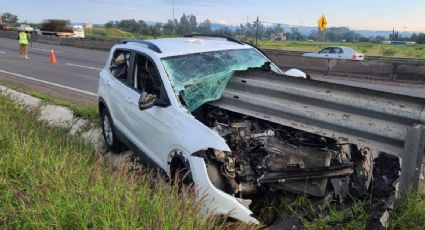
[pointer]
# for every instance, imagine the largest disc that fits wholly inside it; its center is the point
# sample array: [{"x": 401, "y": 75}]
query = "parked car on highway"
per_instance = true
[
  {"x": 337, "y": 52},
  {"x": 4, "y": 27},
  {"x": 156, "y": 97}
]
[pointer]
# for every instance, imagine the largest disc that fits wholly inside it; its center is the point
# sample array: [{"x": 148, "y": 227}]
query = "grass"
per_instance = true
[
  {"x": 410, "y": 212},
  {"x": 51, "y": 180},
  {"x": 117, "y": 33},
  {"x": 368, "y": 48},
  {"x": 83, "y": 111}
]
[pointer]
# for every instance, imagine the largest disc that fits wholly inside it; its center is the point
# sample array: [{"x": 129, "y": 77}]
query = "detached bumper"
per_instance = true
[{"x": 216, "y": 201}]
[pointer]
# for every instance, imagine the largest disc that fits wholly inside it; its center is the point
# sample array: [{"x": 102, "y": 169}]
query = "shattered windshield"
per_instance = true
[{"x": 202, "y": 77}]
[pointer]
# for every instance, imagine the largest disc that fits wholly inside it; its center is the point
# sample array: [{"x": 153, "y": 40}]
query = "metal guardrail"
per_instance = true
[
  {"x": 399, "y": 60},
  {"x": 368, "y": 118}
]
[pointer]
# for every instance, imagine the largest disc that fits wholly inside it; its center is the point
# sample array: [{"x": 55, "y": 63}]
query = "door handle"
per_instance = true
[{"x": 108, "y": 83}]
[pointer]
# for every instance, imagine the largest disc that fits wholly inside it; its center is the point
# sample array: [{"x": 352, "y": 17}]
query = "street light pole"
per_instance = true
[{"x": 256, "y": 33}]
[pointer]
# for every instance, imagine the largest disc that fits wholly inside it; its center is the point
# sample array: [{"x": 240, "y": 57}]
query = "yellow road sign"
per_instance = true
[{"x": 322, "y": 23}]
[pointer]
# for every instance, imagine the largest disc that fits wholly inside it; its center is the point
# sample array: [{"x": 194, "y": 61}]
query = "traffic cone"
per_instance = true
[{"x": 52, "y": 57}]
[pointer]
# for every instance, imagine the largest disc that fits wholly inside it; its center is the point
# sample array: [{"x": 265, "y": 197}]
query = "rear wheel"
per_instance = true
[{"x": 109, "y": 136}]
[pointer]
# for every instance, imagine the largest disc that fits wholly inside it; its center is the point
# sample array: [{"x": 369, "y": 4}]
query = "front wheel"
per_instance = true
[{"x": 109, "y": 136}]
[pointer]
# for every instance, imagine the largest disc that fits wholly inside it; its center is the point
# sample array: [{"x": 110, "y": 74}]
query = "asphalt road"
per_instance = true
[{"x": 77, "y": 69}]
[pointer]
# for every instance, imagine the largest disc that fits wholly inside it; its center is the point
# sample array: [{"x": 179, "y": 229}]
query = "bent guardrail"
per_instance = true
[{"x": 391, "y": 123}]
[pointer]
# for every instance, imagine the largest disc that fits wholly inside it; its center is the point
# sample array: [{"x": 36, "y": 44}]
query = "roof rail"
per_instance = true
[
  {"x": 149, "y": 44},
  {"x": 214, "y": 36}
]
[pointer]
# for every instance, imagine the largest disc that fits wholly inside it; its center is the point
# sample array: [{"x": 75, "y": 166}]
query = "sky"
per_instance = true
[{"x": 403, "y": 15}]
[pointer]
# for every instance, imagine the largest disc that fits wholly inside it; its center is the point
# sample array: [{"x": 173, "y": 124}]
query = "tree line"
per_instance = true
[{"x": 188, "y": 24}]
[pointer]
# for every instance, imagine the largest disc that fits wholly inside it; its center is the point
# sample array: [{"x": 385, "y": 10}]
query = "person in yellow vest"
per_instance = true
[{"x": 23, "y": 44}]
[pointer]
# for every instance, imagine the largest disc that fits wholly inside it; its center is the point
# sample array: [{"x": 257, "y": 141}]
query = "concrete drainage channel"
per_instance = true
[{"x": 64, "y": 118}]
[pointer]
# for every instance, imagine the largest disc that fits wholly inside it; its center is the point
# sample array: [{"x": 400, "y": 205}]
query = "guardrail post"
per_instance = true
[{"x": 414, "y": 149}]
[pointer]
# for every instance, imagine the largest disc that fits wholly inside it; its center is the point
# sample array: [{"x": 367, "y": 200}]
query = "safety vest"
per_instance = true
[{"x": 23, "y": 39}]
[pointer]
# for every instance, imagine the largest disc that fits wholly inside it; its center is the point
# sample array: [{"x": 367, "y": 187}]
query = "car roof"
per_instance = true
[{"x": 188, "y": 45}]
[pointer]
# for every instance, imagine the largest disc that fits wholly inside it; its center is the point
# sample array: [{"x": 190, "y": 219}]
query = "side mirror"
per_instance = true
[{"x": 147, "y": 101}]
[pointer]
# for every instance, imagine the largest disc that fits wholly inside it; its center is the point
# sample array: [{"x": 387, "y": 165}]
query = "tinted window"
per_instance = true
[{"x": 120, "y": 64}]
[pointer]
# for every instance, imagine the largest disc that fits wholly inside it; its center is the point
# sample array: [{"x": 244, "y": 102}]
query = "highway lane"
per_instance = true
[
  {"x": 79, "y": 69},
  {"x": 76, "y": 68}
]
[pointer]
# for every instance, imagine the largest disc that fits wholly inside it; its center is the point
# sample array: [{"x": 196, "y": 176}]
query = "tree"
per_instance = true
[
  {"x": 278, "y": 29},
  {"x": 184, "y": 27},
  {"x": 110, "y": 24},
  {"x": 143, "y": 27},
  {"x": 193, "y": 23},
  {"x": 156, "y": 30},
  {"x": 225, "y": 31},
  {"x": 9, "y": 18},
  {"x": 129, "y": 25},
  {"x": 295, "y": 34},
  {"x": 205, "y": 27},
  {"x": 420, "y": 39},
  {"x": 170, "y": 27}
]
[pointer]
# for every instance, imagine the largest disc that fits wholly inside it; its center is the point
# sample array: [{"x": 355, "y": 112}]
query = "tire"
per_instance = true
[{"x": 108, "y": 133}]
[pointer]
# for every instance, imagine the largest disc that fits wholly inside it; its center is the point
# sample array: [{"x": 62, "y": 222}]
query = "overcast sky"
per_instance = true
[{"x": 404, "y": 15}]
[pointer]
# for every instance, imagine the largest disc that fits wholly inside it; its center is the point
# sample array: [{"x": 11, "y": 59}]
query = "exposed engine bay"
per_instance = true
[
  {"x": 270, "y": 157},
  {"x": 274, "y": 157}
]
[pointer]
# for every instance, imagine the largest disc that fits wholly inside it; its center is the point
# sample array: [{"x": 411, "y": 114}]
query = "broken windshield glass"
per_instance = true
[{"x": 202, "y": 77}]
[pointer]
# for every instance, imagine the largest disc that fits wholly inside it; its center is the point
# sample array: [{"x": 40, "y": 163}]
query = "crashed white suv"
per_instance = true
[{"x": 154, "y": 97}]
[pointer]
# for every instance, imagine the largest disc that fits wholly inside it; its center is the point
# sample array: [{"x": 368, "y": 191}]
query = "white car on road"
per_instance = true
[
  {"x": 337, "y": 52},
  {"x": 154, "y": 97},
  {"x": 25, "y": 27}
]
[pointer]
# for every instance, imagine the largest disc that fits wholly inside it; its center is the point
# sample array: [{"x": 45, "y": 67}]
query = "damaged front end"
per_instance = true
[{"x": 268, "y": 156}]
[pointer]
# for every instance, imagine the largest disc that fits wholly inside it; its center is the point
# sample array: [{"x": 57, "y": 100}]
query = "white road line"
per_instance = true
[
  {"x": 2, "y": 52},
  {"x": 46, "y": 50},
  {"x": 49, "y": 83},
  {"x": 82, "y": 66}
]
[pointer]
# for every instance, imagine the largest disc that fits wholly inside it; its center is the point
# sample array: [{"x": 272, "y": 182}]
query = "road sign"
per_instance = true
[{"x": 322, "y": 23}]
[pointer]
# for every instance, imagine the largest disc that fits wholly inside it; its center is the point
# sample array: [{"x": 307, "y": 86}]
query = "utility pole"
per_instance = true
[
  {"x": 173, "y": 13},
  {"x": 246, "y": 28},
  {"x": 256, "y": 33}
]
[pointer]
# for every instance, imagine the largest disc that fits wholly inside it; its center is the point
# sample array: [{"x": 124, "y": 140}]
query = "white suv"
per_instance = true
[{"x": 154, "y": 96}]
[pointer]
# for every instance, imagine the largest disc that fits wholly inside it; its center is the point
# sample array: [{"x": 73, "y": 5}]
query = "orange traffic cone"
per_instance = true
[{"x": 52, "y": 57}]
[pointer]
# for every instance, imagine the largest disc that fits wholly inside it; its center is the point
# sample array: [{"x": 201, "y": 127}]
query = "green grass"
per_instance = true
[
  {"x": 410, "y": 212},
  {"x": 373, "y": 49},
  {"x": 49, "y": 180},
  {"x": 117, "y": 33},
  {"x": 83, "y": 111}
]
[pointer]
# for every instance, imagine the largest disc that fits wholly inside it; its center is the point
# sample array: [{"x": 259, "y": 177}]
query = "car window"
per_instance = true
[
  {"x": 336, "y": 50},
  {"x": 325, "y": 51},
  {"x": 145, "y": 76},
  {"x": 120, "y": 64}
]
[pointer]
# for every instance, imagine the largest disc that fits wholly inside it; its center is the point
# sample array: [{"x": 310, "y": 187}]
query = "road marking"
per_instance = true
[
  {"x": 49, "y": 83},
  {"x": 82, "y": 66},
  {"x": 2, "y": 52},
  {"x": 59, "y": 52}
]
